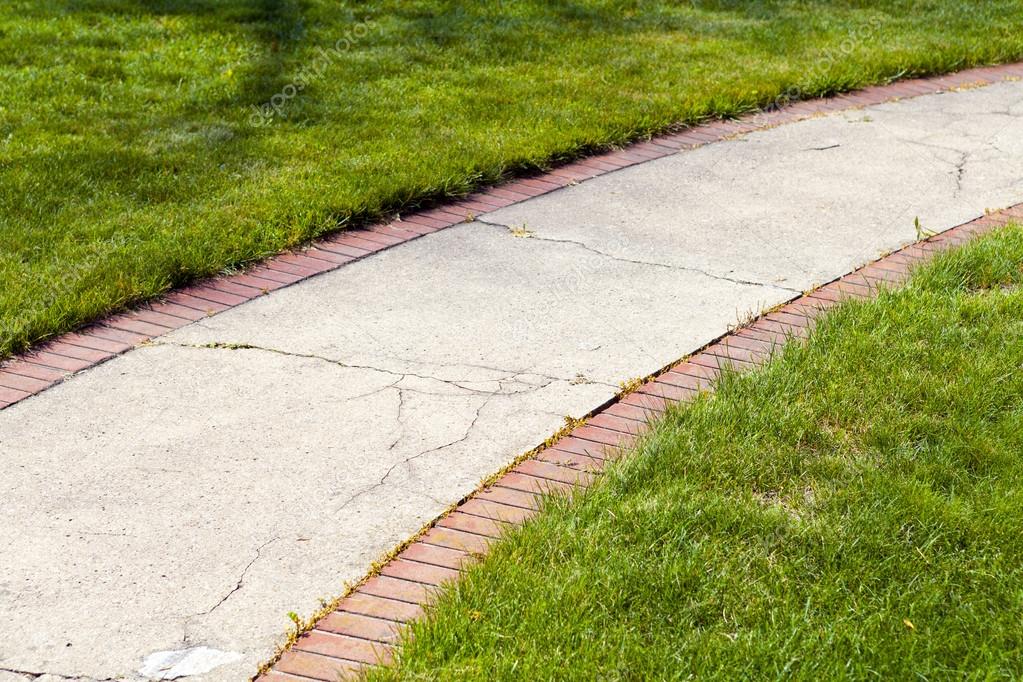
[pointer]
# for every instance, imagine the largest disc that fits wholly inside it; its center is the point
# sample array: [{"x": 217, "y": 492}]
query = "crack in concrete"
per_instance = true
[
  {"x": 401, "y": 424},
  {"x": 186, "y": 637},
  {"x": 668, "y": 266},
  {"x": 510, "y": 375},
  {"x": 959, "y": 172},
  {"x": 462, "y": 439},
  {"x": 241, "y": 578},
  {"x": 33, "y": 675}
]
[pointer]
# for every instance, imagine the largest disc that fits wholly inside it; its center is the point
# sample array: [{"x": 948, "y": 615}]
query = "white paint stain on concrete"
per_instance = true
[{"x": 171, "y": 665}]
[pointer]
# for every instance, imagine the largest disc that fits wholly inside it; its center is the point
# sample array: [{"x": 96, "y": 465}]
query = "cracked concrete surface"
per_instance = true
[{"x": 192, "y": 492}]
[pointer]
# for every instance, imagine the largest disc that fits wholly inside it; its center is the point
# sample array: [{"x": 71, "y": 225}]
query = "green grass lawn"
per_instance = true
[
  {"x": 134, "y": 157},
  {"x": 854, "y": 509}
]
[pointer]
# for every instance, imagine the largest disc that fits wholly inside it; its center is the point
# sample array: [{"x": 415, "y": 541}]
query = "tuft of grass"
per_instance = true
[
  {"x": 136, "y": 152},
  {"x": 852, "y": 509}
]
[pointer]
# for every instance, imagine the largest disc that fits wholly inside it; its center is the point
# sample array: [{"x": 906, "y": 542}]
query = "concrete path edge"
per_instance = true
[{"x": 54, "y": 361}]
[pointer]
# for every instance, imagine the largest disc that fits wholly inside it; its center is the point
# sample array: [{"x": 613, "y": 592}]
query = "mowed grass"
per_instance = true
[
  {"x": 133, "y": 156},
  {"x": 854, "y": 509}
]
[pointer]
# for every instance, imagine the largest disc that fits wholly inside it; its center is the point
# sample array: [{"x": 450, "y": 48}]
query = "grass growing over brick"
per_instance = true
[
  {"x": 133, "y": 156},
  {"x": 854, "y": 509}
]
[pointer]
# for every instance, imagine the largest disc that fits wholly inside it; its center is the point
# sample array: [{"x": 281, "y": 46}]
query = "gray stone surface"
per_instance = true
[
  {"x": 800, "y": 204},
  {"x": 192, "y": 492}
]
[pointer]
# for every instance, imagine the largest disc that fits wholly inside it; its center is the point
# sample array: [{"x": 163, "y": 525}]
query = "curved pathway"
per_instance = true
[{"x": 163, "y": 511}]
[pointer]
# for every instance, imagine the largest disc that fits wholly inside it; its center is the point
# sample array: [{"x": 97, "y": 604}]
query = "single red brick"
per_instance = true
[
  {"x": 646, "y": 402},
  {"x": 764, "y": 348},
  {"x": 522, "y": 188},
  {"x": 339, "y": 246},
  {"x": 427, "y": 221},
  {"x": 211, "y": 294},
  {"x": 879, "y": 274},
  {"x": 497, "y": 511},
  {"x": 851, "y": 289},
  {"x": 487, "y": 198},
  {"x": 59, "y": 361},
  {"x": 600, "y": 163},
  {"x": 545, "y": 182},
  {"x": 774, "y": 338},
  {"x": 655, "y": 145},
  {"x": 733, "y": 352},
  {"x": 626, "y": 411},
  {"x": 378, "y": 237},
  {"x": 86, "y": 339},
  {"x": 131, "y": 323},
  {"x": 264, "y": 285},
  {"x": 345, "y": 648},
  {"x": 380, "y": 607},
  {"x": 572, "y": 460},
  {"x": 634, "y": 155},
  {"x": 786, "y": 329},
  {"x": 153, "y": 317},
  {"x": 314, "y": 667},
  {"x": 20, "y": 382},
  {"x": 418, "y": 572},
  {"x": 178, "y": 310},
  {"x": 200, "y": 304},
  {"x": 699, "y": 371},
  {"x": 439, "y": 556},
  {"x": 533, "y": 484},
  {"x": 669, "y": 141},
  {"x": 802, "y": 307},
  {"x": 395, "y": 588},
  {"x": 357, "y": 625},
  {"x": 856, "y": 279},
  {"x": 599, "y": 435},
  {"x": 705, "y": 359},
  {"x": 475, "y": 208},
  {"x": 507, "y": 194},
  {"x": 915, "y": 252},
  {"x": 472, "y": 524},
  {"x": 89, "y": 355},
  {"x": 394, "y": 229},
  {"x": 893, "y": 266},
  {"x": 789, "y": 318},
  {"x": 554, "y": 472},
  {"x": 575, "y": 173},
  {"x": 689, "y": 383},
  {"x": 455, "y": 539},
  {"x": 613, "y": 423},
  {"x": 826, "y": 294},
  {"x": 308, "y": 268},
  {"x": 12, "y": 395},
  {"x": 26, "y": 367},
  {"x": 668, "y": 391},
  {"x": 446, "y": 213},
  {"x": 230, "y": 286},
  {"x": 685, "y": 139},
  {"x": 507, "y": 496},
  {"x": 582, "y": 447}
]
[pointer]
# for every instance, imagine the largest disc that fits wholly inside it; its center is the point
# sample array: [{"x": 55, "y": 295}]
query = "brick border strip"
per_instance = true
[
  {"x": 54, "y": 361},
  {"x": 363, "y": 627}
]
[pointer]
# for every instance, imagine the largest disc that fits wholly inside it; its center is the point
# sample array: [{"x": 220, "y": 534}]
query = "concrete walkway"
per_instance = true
[{"x": 164, "y": 511}]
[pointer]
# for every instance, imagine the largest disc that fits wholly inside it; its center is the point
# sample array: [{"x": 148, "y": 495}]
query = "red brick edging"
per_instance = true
[
  {"x": 52, "y": 362},
  {"x": 362, "y": 628}
]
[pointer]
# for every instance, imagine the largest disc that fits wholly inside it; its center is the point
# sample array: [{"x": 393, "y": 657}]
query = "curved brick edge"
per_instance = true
[
  {"x": 365, "y": 625},
  {"x": 52, "y": 362}
]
